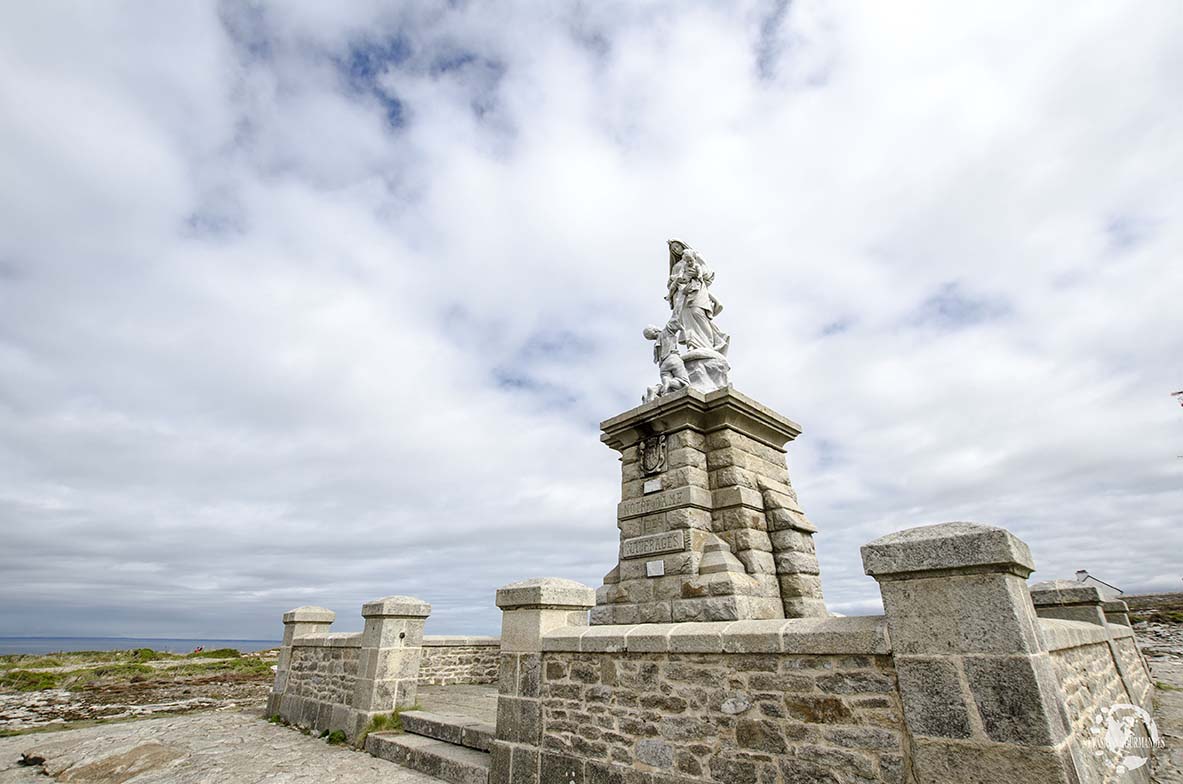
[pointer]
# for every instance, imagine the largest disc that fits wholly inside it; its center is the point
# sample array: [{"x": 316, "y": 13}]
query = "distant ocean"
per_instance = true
[{"x": 40, "y": 645}]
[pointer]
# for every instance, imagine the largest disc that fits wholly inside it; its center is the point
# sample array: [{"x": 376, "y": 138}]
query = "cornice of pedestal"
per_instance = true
[{"x": 703, "y": 412}]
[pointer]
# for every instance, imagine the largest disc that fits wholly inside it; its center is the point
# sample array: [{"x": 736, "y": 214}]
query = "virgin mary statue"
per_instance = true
[{"x": 693, "y": 306}]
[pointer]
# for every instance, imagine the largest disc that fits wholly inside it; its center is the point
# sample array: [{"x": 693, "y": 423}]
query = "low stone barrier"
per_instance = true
[
  {"x": 745, "y": 700},
  {"x": 326, "y": 681},
  {"x": 960, "y": 682},
  {"x": 452, "y": 660}
]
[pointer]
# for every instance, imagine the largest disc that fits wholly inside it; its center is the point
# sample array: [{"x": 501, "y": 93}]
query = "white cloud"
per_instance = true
[{"x": 300, "y": 306}]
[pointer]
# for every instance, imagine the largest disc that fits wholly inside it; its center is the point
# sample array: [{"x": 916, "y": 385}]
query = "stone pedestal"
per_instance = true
[{"x": 710, "y": 526}]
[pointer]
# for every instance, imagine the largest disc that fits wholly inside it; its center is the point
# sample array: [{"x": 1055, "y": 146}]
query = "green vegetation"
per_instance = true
[
  {"x": 133, "y": 673},
  {"x": 1157, "y": 615},
  {"x": 1165, "y": 686},
  {"x": 336, "y": 738},
  {"x": 386, "y": 722},
  {"x": 219, "y": 653},
  {"x": 79, "y": 669},
  {"x": 246, "y": 666},
  {"x": 23, "y": 680},
  {"x": 26, "y": 680}
]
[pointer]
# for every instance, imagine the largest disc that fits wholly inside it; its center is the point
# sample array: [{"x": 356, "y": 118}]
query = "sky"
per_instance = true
[{"x": 312, "y": 303}]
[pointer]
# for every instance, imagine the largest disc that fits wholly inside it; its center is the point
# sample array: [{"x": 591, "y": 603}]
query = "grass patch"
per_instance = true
[
  {"x": 218, "y": 653},
  {"x": 242, "y": 665},
  {"x": 132, "y": 673},
  {"x": 336, "y": 738},
  {"x": 79, "y": 659},
  {"x": 128, "y": 666},
  {"x": 385, "y": 722},
  {"x": 23, "y": 680},
  {"x": 1166, "y": 686},
  {"x": 147, "y": 655},
  {"x": 26, "y": 680}
]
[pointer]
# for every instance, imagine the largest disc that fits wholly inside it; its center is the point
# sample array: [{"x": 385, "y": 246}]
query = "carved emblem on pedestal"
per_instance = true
[{"x": 653, "y": 454}]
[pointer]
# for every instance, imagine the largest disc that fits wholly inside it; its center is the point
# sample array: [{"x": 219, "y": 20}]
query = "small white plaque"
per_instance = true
[
  {"x": 655, "y": 568},
  {"x": 651, "y": 485}
]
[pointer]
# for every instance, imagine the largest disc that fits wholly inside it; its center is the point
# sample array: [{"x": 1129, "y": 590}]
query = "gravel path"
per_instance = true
[{"x": 225, "y": 747}]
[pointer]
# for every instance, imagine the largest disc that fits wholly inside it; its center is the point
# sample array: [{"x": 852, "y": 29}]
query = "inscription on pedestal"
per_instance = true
[
  {"x": 659, "y": 502},
  {"x": 641, "y": 546}
]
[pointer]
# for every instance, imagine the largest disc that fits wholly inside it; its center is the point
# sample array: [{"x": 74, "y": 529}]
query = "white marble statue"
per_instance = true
[
  {"x": 691, "y": 338},
  {"x": 693, "y": 305},
  {"x": 668, "y": 361}
]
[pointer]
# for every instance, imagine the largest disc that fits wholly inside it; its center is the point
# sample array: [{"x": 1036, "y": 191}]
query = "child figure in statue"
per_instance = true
[{"x": 668, "y": 361}]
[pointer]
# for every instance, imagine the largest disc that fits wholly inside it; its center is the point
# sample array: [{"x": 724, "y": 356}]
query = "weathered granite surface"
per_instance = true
[{"x": 227, "y": 747}]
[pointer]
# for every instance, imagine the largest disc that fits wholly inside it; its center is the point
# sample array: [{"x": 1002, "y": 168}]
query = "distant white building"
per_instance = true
[{"x": 1106, "y": 590}]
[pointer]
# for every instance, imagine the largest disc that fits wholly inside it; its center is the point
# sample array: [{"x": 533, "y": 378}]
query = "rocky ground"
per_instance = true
[
  {"x": 227, "y": 746},
  {"x": 1158, "y": 622},
  {"x": 88, "y": 688}
]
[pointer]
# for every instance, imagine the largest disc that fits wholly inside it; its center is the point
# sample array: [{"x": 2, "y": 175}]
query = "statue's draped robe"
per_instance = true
[{"x": 694, "y": 309}]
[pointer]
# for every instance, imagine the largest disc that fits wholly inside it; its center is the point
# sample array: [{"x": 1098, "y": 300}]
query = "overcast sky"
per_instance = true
[{"x": 311, "y": 303}]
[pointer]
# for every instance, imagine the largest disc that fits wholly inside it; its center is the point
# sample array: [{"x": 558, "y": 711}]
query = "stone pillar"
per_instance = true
[
  {"x": 299, "y": 622},
  {"x": 388, "y": 666},
  {"x": 529, "y": 610},
  {"x": 710, "y": 526},
  {"x": 980, "y": 697},
  {"x": 1116, "y": 612},
  {"x": 1068, "y": 600}
]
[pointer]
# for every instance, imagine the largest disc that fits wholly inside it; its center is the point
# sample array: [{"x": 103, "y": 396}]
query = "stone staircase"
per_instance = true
[{"x": 450, "y": 747}]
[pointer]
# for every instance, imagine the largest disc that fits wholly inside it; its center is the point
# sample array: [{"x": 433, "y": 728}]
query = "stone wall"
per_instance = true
[
  {"x": 322, "y": 674},
  {"x": 961, "y": 682},
  {"x": 723, "y": 717},
  {"x": 1096, "y": 667},
  {"x": 725, "y": 703},
  {"x": 326, "y": 681},
  {"x": 455, "y": 660}
]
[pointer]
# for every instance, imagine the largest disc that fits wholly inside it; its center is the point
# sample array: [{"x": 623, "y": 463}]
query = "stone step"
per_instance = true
[
  {"x": 447, "y": 761},
  {"x": 456, "y": 729}
]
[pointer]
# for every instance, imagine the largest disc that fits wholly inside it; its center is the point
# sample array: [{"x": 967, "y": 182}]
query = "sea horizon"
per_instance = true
[{"x": 12, "y": 646}]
